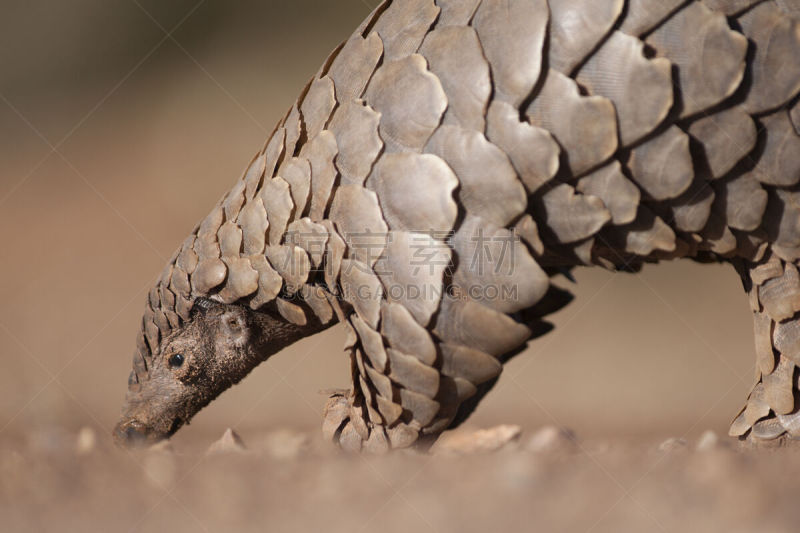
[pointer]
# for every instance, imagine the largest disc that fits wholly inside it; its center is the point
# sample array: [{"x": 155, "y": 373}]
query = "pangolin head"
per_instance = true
[
  {"x": 192, "y": 364},
  {"x": 195, "y": 360}
]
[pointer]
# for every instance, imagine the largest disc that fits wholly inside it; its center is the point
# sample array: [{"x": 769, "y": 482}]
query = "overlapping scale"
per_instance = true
[
  {"x": 410, "y": 100},
  {"x": 640, "y": 88},
  {"x": 455, "y": 56},
  {"x": 584, "y": 126},
  {"x": 355, "y": 126},
  {"x": 473, "y": 158},
  {"x": 576, "y": 27},
  {"x": 775, "y": 67},
  {"x": 709, "y": 57},
  {"x": 512, "y": 33}
]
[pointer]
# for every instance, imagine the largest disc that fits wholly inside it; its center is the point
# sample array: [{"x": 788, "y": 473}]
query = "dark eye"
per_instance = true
[{"x": 176, "y": 360}]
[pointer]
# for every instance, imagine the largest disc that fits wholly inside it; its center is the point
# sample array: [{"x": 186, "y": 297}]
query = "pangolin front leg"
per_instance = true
[{"x": 399, "y": 399}]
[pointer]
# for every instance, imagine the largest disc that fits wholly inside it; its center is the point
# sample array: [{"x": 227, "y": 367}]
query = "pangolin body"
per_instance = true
[{"x": 452, "y": 155}]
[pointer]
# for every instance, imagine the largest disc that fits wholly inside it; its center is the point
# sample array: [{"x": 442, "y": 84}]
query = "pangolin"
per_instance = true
[{"x": 449, "y": 158}]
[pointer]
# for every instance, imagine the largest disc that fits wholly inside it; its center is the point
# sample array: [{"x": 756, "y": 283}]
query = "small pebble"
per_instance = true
[
  {"x": 230, "y": 442},
  {"x": 481, "y": 441},
  {"x": 551, "y": 439},
  {"x": 673, "y": 444},
  {"x": 498, "y": 437},
  {"x": 86, "y": 441},
  {"x": 709, "y": 440}
]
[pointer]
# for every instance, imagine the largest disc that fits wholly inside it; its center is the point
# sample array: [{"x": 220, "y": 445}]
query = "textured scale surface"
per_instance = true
[{"x": 451, "y": 149}]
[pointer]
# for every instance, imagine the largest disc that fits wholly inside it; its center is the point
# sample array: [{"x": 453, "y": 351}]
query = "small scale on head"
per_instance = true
[{"x": 215, "y": 348}]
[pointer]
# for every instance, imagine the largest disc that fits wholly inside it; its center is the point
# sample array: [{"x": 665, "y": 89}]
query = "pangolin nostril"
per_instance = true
[{"x": 130, "y": 433}]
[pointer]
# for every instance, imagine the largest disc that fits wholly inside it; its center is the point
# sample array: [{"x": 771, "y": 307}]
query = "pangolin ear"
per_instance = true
[
  {"x": 200, "y": 307},
  {"x": 234, "y": 326}
]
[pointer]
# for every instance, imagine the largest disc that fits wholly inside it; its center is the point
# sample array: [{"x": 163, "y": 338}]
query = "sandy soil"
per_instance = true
[
  {"x": 286, "y": 481},
  {"x": 115, "y": 140}
]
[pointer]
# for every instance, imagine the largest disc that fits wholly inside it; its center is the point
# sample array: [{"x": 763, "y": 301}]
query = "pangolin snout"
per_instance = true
[{"x": 130, "y": 433}]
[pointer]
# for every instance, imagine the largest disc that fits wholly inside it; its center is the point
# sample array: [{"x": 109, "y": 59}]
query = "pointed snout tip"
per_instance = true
[{"x": 130, "y": 433}]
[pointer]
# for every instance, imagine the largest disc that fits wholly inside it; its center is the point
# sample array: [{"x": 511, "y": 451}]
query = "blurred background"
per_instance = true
[
  {"x": 123, "y": 121},
  {"x": 121, "y": 124}
]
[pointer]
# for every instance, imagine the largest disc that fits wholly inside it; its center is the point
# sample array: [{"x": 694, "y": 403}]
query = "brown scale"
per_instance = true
[
  {"x": 357, "y": 215},
  {"x": 296, "y": 172},
  {"x": 275, "y": 148},
  {"x": 472, "y": 157},
  {"x": 584, "y": 126},
  {"x": 292, "y": 264},
  {"x": 317, "y": 106},
  {"x": 690, "y": 211},
  {"x": 644, "y": 15},
  {"x": 334, "y": 253},
  {"x": 254, "y": 173},
  {"x": 576, "y": 26},
  {"x": 315, "y": 297},
  {"x": 512, "y": 33},
  {"x": 403, "y": 26},
  {"x": 662, "y": 166},
  {"x": 415, "y": 192},
  {"x": 527, "y": 230},
  {"x": 775, "y": 69},
  {"x": 641, "y": 88},
  {"x": 619, "y": 195},
  {"x": 782, "y": 220},
  {"x": 286, "y": 142},
  {"x": 398, "y": 273},
  {"x": 320, "y": 153},
  {"x": 455, "y": 56},
  {"x": 456, "y": 12},
  {"x": 410, "y": 100},
  {"x": 494, "y": 252},
  {"x": 254, "y": 223},
  {"x": 371, "y": 343},
  {"x": 570, "y": 215},
  {"x": 779, "y": 163},
  {"x": 277, "y": 199},
  {"x": 353, "y": 67},
  {"x": 355, "y": 126},
  {"x": 709, "y": 56},
  {"x": 731, "y": 7},
  {"x": 532, "y": 150},
  {"x": 362, "y": 289},
  {"x": 309, "y": 236},
  {"x": 724, "y": 138},
  {"x": 403, "y": 333}
]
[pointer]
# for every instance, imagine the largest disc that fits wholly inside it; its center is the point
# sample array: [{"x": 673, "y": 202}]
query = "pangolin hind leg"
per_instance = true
[{"x": 772, "y": 412}]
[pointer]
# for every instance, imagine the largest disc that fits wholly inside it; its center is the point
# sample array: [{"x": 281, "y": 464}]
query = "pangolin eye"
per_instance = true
[{"x": 176, "y": 360}]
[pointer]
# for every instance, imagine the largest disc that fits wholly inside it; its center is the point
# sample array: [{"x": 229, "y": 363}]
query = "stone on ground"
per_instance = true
[
  {"x": 551, "y": 439},
  {"x": 230, "y": 442},
  {"x": 480, "y": 441}
]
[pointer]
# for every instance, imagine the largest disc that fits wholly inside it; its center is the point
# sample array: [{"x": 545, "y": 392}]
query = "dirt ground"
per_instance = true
[
  {"x": 121, "y": 123},
  {"x": 288, "y": 482}
]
